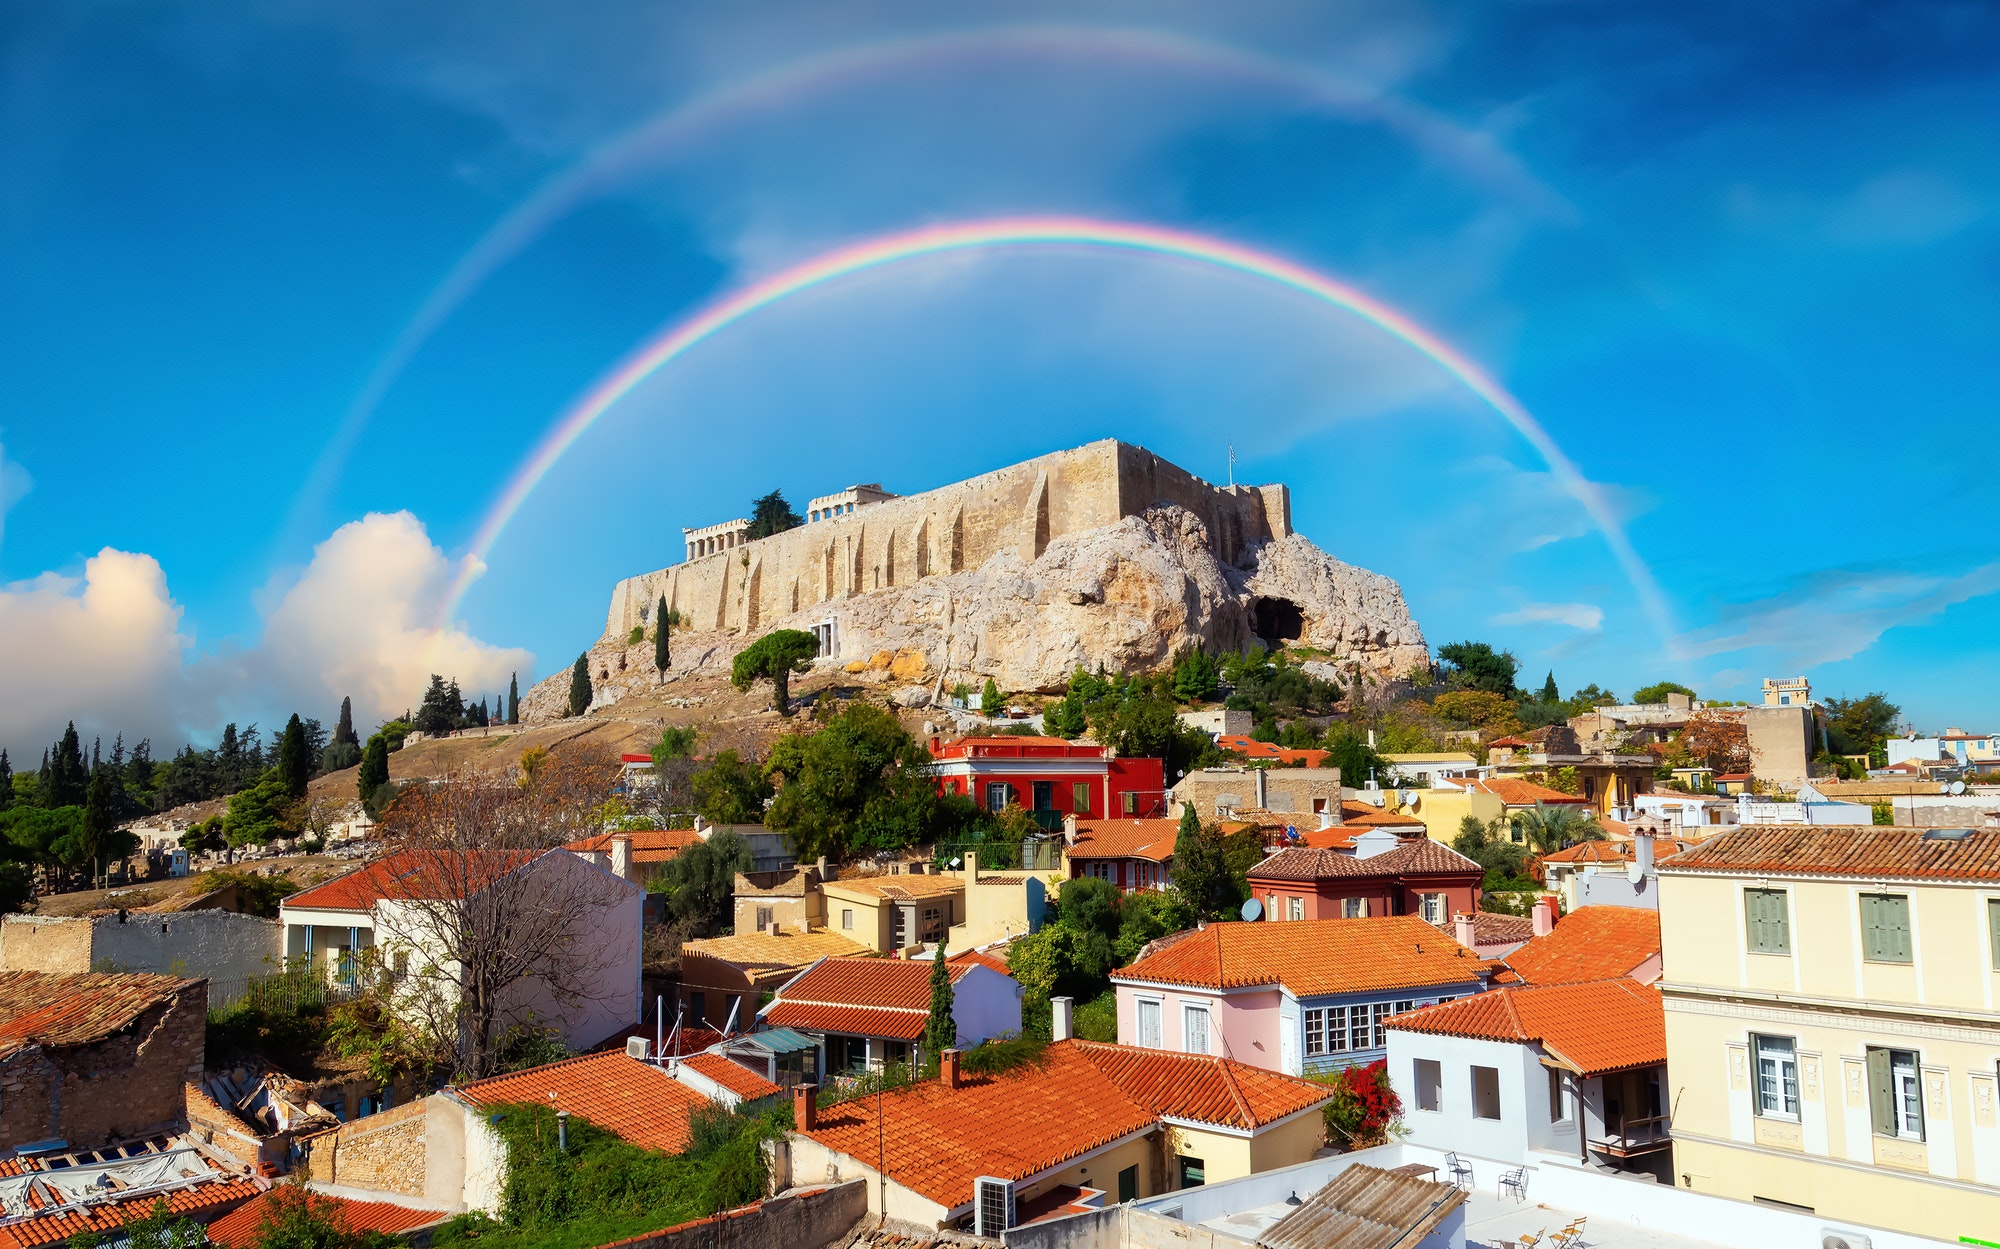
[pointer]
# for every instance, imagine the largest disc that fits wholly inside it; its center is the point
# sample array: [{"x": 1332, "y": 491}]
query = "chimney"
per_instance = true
[
  {"x": 1642, "y": 849},
  {"x": 1260, "y": 788},
  {"x": 1545, "y": 915},
  {"x": 701, "y": 828},
  {"x": 972, "y": 865},
  {"x": 621, "y": 857},
  {"x": 1463, "y": 929},
  {"x": 805, "y": 1107},
  {"x": 1069, "y": 828},
  {"x": 948, "y": 1068},
  {"x": 1062, "y": 1028},
  {"x": 823, "y": 877}
]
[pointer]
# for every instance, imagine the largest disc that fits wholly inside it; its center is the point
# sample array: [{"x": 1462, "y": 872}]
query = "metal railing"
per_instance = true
[{"x": 1633, "y": 1136}]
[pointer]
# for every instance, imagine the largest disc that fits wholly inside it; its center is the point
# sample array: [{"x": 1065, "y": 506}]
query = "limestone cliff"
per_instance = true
[{"x": 1123, "y": 596}]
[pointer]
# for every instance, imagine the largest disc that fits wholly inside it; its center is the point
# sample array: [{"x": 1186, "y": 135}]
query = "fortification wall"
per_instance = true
[{"x": 1018, "y": 509}]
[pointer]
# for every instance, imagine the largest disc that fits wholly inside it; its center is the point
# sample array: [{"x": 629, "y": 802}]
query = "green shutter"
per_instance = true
[
  {"x": 1881, "y": 1094},
  {"x": 1993, "y": 929},
  {"x": 1767, "y": 926},
  {"x": 1885, "y": 928}
]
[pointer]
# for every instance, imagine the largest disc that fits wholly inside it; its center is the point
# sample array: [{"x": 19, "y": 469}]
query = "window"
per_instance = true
[
  {"x": 763, "y": 918},
  {"x": 1297, "y": 908},
  {"x": 1430, "y": 1085},
  {"x": 1128, "y": 1184},
  {"x": 1486, "y": 1092},
  {"x": 1380, "y": 1013},
  {"x": 1079, "y": 801},
  {"x": 1403, "y": 1007},
  {"x": 1431, "y": 907},
  {"x": 1194, "y": 1172},
  {"x": 1358, "y": 1032},
  {"x": 1766, "y": 924},
  {"x": 1354, "y": 908},
  {"x": 1895, "y": 1094},
  {"x": 1149, "y": 1024},
  {"x": 1315, "y": 1032},
  {"x": 1194, "y": 1025},
  {"x": 1271, "y": 906},
  {"x": 1129, "y": 800},
  {"x": 1558, "y": 1104},
  {"x": 1885, "y": 927},
  {"x": 1336, "y": 1028},
  {"x": 1777, "y": 1077},
  {"x": 996, "y": 796},
  {"x": 1044, "y": 795},
  {"x": 847, "y": 917}
]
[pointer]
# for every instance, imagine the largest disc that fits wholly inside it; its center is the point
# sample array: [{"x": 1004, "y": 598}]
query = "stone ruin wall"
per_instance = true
[{"x": 1019, "y": 509}]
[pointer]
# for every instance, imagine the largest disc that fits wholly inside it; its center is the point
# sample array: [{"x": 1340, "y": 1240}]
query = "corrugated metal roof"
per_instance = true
[{"x": 1365, "y": 1207}]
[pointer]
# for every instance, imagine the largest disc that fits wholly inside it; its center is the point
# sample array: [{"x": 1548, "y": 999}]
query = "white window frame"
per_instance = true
[
  {"x": 1190, "y": 1011},
  {"x": 1158, "y": 1008},
  {"x": 1431, "y": 907},
  {"x": 1354, "y": 908},
  {"x": 1435, "y": 1084},
  {"x": 1783, "y": 1079},
  {"x": 1295, "y": 907},
  {"x": 1906, "y": 1086},
  {"x": 1315, "y": 1028}
]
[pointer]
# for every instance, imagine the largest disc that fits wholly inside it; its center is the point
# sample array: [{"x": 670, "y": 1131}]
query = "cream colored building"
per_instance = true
[
  {"x": 891, "y": 913},
  {"x": 1001, "y": 905},
  {"x": 1832, "y": 1037}
]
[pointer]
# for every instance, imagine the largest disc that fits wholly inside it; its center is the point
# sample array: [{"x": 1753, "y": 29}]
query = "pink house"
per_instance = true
[{"x": 1301, "y": 997}]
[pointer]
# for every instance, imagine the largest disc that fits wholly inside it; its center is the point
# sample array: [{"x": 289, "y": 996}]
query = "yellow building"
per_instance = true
[
  {"x": 890, "y": 913},
  {"x": 1831, "y": 1025},
  {"x": 1443, "y": 810}
]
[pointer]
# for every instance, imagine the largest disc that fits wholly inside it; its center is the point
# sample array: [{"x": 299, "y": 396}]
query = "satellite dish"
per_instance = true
[
  {"x": 1253, "y": 910},
  {"x": 1958, "y": 787},
  {"x": 1634, "y": 872}
]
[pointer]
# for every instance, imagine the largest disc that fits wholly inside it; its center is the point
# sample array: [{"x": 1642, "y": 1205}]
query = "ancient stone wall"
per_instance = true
[
  {"x": 383, "y": 1152},
  {"x": 126, "y": 1085},
  {"x": 59, "y": 944},
  {"x": 1016, "y": 510}
]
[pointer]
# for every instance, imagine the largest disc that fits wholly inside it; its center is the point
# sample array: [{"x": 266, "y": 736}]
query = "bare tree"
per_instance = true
[{"x": 490, "y": 923}]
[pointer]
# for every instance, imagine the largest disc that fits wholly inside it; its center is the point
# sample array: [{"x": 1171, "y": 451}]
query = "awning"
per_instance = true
[{"x": 779, "y": 1041}]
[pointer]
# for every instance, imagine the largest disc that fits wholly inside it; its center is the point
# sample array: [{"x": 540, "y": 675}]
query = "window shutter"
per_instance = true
[
  {"x": 1896, "y": 920},
  {"x": 1881, "y": 1094},
  {"x": 1993, "y": 929},
  {"x": 1871, "y": 943}
]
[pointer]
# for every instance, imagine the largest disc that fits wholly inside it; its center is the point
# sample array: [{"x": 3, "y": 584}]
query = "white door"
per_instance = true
[{"x": 1288, "y": 1044}]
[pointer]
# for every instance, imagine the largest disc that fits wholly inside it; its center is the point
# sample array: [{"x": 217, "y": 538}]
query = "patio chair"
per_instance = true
[
  {"x": 1528, "y": 1240},
  {"x": 1571, "y": 1235},
  {"x": 1459, "y": 1168},
  {"x": 1517, "y": 1179}
]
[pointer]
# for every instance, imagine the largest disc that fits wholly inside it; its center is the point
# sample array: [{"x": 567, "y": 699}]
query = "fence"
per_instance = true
[{"x": 286, "y": 992}]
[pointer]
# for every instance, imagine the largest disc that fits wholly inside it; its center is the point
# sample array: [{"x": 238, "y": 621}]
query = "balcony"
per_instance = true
[{"x": 1632, "y": 1137}]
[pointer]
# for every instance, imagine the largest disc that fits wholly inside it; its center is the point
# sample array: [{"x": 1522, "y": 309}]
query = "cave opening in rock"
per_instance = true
[{"x": 1278, "y": 619}]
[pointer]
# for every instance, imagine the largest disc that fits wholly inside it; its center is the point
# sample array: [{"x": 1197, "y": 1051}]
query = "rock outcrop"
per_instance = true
[{"x": 1123, "y": 598}]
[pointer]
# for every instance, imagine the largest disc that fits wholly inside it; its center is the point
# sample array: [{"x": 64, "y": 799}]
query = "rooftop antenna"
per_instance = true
[{"x": 1232, "y": 464}]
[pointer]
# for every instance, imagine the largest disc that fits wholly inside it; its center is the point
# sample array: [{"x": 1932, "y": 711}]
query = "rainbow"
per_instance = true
[
  {"x": 677, "y": 340},
  {"x": 1471, "y": 152}
]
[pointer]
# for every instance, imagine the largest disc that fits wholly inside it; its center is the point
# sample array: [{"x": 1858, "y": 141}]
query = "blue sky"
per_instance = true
[{"x": 1741, "y": 261}]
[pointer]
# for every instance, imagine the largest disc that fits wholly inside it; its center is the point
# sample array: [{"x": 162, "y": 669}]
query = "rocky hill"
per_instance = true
[{"x": 1123, "y": 597}]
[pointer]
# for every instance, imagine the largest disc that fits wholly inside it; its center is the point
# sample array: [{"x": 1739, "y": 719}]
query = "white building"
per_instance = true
[{"x": 1577, "y": 1070}]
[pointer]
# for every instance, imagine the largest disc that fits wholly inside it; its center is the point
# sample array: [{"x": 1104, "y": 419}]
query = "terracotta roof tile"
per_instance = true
[
  {"x": 1080, "y": 1096},
  {"x": 1865, "y": 851},
  {"x": 1614, "y": 851},
  {"x": 1594, "y": 1028},
  {"x": 1590, "y": 943},
  {"x": 1515, "y": 792},
  {"x": 197, "y": 1202},
  {"x": 51, "y": 1010},
  {"x": 238, "y": 1229},
  {"x": 984, "y": 959},
  {"x": 861, "y": 997},
  {"x": 1310, "y": 957},
  {"x": 900, "y": 887},
  {"x": 410, "y": 874},
  {"x": 733, "y": 1076},
  {"x": 1251, "y": 748},
  {"x": 1489, "y": 928},
  {"x": 649, "y": 845},
  {"x": 636, "y": 1100},
  {"x": 774, "y": 952},
  {"x": 1125, "y": 839},
  {"x": 1421, "y": 857}
]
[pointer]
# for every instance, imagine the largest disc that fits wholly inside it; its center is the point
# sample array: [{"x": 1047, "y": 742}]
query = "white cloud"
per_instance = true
[
  {"x": 1901, "y": 208},
  {"x": 1836, "y": 616},
  {"x": 107, "y": 649},
  {"x": 14, "y": 483},
  {"x": 1586, "y": 617}
]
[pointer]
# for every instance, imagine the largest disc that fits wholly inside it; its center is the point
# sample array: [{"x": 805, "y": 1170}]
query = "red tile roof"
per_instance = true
[
  {"x": 984, "y": 959},
  {"x": 411, "y": 874},
  {"x": 649, "y": 845},
  {"x": 1590, "y": 943},
  {"x": 51, "y": 1010},
  {"x": 1310, "y": 957},
  {"x": 198, "y": 1201},
  {"x": 861, "y": 997},
  {"x": 1614, "y": 851},
  {"x": 238, "y": 1229},
  {"x": 636, "y": 1100},
  {"x": 733, "y": 1076},
  {"x": 1593, "y": 1028},
  {"x": 1867, "y": 851},
  {"x": 1515, "y": 792},
  {"x": 1078, "y": 1097},
  {"x": 1489, "y": 928},
  {"x": 1251, "y": 748},
  {"x": 1125, "y": 839},
  {"x": 1364, "y": 815},
  {"x": 1418, "y": 857}
]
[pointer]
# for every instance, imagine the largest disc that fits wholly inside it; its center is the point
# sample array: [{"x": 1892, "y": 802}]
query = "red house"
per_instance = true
[
  {"x": 1384, "y": 875},
  {"x": 1050, "y": 777}
]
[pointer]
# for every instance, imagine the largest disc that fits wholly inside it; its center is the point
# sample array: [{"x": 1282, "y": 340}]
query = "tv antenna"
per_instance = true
[{"x": 1232, "y": 464}]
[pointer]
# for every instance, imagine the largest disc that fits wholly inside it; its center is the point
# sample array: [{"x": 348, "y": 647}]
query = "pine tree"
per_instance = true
[
  {"x": 1200, "y": 871},
  {"x": 940, "y": 1030},
  {"x": 990, "y": 702},
  {"x": 343, "y": 732},
  {"x": 294, "y": 759},
  {"x": 579, "y": 685},
  {"x": 434, "y": 715},
  {"x": 513, "y": 698},
  {"x": 1550, "y": 694},
  {"x": 660, "y": 629},
  {"x": 118, "y": 752},
  {"x": 67, "y": 778}
]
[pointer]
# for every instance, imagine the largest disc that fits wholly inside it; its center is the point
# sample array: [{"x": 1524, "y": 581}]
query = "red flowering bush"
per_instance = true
[{"x": 1364, "y": 1109}]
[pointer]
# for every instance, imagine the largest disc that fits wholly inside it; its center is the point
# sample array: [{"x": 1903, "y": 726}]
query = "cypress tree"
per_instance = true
[
  {"x": 294, "y": 760},
  {"x": 940, "y": 1030},
  {"x": 344, "y": 731},
  {"x": 99, "y": 818},
  {"x": 1550, "y": 694},
  {"x": 96, "y": 754},
  {"x": 68, "y": 778},
  {"x": 374, "y": 767},
  {"x": 579, "y": 685},
  {"x": 660, "y": 657},
  {"x": 513, "y": 698},
  {"x": 6, "y": 781}
]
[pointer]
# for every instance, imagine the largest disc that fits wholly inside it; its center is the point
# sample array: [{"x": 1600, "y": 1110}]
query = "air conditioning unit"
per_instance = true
[
  {"x": 992, "y": 1206},
  {"x": 1834, "y": 1238},
  {"x": 636, "y": 1047}
]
